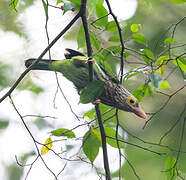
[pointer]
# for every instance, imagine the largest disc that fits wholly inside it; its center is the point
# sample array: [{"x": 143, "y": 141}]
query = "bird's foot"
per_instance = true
[
  {"x": 97, "y": 101},
  {"x": 89, "y": 59}
]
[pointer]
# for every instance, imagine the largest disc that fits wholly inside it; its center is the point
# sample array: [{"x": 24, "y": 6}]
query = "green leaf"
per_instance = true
[
  {"x": 94, "y": 41},
  {"x": 59, "y": 1},
  {"x": 13, "y": 4},
  {"x": 180, "y": 64},
  {"x": 142, "y": 91},
  {"x": 116, "y": 50},
  {"x": 77, "y": 2},
  {"x": 105, "y": 67},
  {"x": 101, "y": 13},
  {"x": 91, "y": 92},
  {"x": 91, "y": 144},
  {"x": 135, "y": 27},
  {"x": 182, "y": 60},
  {"x": 169, "y": 41},
  {"x": 164, "y": 84},
  {"x": 91, "y": 6},
  {"x": 162, "y": 69},
  {"x": 100, "y": 59},
  {"x": 178, "y": 1},
  {"x": 171, "y": 172},
  {"x": 107, "y": 114},
  {"x": 90, "y": 114},
  {"x": 114, "y": 39},
  {"x": 161, "y": 59},
  {"x": 126, "y": 54},
  {"x": 149, "y": 56},
  {"x": 63, "y": 132},
  {"x": 139, "y": 38},
  {"x": 155, "y": 79},
  {"x": 111, "y": 26},
  {"x": 81, "y": 37},
  {"x": 47, "y": 146},
  {"x": 3, "y": 124},
  {"x": 45, "y": 8},
  {"x": 113, "y": 142}
]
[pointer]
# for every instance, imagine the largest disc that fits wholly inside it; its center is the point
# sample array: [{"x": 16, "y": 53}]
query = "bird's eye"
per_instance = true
[{"x": 131, "y": 101}]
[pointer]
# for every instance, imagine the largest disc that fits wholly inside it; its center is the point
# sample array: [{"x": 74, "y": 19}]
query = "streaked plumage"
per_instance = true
[{"x": 75, "y": 69}]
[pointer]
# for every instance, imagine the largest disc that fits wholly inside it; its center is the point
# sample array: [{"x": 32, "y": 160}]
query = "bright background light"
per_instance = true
[
  {"x": 14, "y": 49},
  {"x": 123, "y": 9}
]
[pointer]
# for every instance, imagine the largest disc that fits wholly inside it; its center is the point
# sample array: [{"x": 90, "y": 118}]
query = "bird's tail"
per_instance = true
[{"x": 43, "y": 64}]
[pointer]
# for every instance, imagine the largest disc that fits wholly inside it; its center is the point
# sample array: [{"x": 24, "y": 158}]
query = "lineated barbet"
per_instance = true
[{"x": 75, "y": 68}]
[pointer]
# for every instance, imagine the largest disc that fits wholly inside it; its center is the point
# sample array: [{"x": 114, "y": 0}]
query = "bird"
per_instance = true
[{"x": 75, "y": 68}]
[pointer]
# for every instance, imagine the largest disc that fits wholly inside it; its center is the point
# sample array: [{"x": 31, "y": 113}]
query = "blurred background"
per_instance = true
[{"x": 23, "y": 35}]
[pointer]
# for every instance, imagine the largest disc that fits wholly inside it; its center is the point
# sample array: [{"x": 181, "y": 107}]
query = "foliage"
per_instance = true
[
  {"x": 47, "y": 146},
  {"x": 150, "y": 57},
  {"x": 63, "y": 132},
  {"x": 91, "y": 92},
  {"x": 92, "y": 137},
  {"x": 170, "y": 169},
  {"x": 3, "y": 124}
]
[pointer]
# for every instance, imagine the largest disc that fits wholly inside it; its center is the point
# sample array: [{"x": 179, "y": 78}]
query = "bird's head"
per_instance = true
[
  {"x": 132, "y": 105},
  {"x": 129, "y": 103},
  {"x": 117, "y": 96}
]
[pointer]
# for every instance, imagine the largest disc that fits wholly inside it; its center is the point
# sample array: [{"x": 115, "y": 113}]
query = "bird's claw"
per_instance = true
[
  {"x": 97, "y": 101},
  {"x": 90, "y": 60}
]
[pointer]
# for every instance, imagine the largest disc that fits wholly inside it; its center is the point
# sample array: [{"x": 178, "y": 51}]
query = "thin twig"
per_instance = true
[
  {"x": 41, "y": 55},
  {"x": 117, "y": 141},
  {"x": 132, "y": 167},
  {"x": 121, "y": 40},
  {"x": 31, "y": 135},
  {"x": 173, "y": 126},
  {"x": 138, "y": 146},
  {"x": 164, "y": 105}
]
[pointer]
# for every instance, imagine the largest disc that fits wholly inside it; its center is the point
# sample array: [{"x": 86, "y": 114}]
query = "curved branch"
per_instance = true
[
  {"x": 121, "y": 40},
  {"x": 41, "y": 55}
]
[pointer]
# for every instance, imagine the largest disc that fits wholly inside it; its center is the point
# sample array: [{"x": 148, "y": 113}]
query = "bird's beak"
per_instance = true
[{"x": 139, "y": 112}]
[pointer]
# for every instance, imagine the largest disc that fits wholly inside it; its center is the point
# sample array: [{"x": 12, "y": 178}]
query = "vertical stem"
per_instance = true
[
  {"x": 87, "y": 37},
  {"x": 91, "y": 77},
  {"x": 104, "y": 144},
  {"x": 121, "y": 40}
]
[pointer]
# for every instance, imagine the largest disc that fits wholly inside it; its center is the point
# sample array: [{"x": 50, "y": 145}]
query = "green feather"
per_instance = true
[{"x": 75, "y": 68}]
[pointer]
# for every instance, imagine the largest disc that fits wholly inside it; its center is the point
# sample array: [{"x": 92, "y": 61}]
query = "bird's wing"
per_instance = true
[
  {"x": 103, "y": 71},
  {"x": 78, "y": 58},
  {"x": 71, "y": 53}
]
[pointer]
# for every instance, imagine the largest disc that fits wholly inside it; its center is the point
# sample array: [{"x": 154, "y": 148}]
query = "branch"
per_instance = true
[
  {"x": 164, "y": 105},
  {"x": 104, "y": 144},
  {"x": 91, "y": 77},
  {"x": 87, "y": 37},
  {"x": 138, "y": 146},
  {"x": 173, "y": 126},
  {"x": 41, "y": 55},
  {"x": 121, "y": 40},
  {"x": 35, "y": 143}
]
